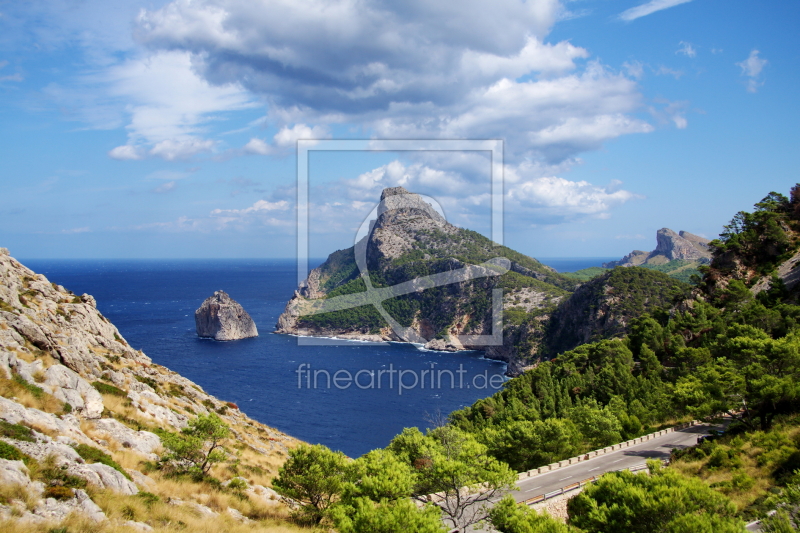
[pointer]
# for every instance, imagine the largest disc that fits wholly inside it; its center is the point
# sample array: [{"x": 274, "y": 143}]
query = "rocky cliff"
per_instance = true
[
  {"x": 222, "y": 318},
  {"x": 80, "y": 416},
  {"x": 670, "y": 246},
  {"x": 408, "y": 245}
]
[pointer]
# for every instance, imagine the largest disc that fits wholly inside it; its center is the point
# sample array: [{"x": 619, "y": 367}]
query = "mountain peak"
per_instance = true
[{"x": 392, "y": 191}]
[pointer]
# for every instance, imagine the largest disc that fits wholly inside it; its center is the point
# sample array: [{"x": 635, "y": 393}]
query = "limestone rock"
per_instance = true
[
  {"x": 224, "y": 319},
  {"x": 69, "y": 387},
  {"x": 140, "y": 441},
  {"x": 670, "y": 246}
]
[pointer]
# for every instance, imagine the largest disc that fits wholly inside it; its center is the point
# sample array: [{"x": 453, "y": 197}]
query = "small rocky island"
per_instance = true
[{"x": 223, "y": 319}]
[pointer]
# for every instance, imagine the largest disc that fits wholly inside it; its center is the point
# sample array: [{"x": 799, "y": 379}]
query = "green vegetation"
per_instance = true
[
  {"x": 373, "y": 493},
  {"x": 585, "y": 274},
  {"x": 105, "y": 388},
  {"x": 624, "y": 502},
  {"x": 94, "y": 455},
  {"x": 197, "y": 447},
  {"x": 10, "y": 453},
  {"x": 36, "y": 392},
  {"x": 682, "y": 270},
  {"x": 16, "y": 431}
]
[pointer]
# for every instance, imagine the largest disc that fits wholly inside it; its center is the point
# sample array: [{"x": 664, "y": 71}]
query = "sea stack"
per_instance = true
[{"x": 223, "y": 319}]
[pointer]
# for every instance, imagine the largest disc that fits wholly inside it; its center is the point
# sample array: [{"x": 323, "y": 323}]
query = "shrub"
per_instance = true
[
  {"x": 148, "y": 497},
  {"x": 59, "y": 493},
  {"x": 147, "y": 381},
  {"x": 94, "y": 455},
  {"x": 237, "y": 483},
  {"x": 67, "y": 409},
  {"x": 105, "y": 388},
  {"x": 9, "y": 452},
  {"x": 16, "y": 431}
]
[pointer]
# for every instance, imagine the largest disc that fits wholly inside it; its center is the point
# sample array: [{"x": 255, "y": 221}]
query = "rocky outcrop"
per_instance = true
[
  {"x": 670, "y": 246},
  {"x": 222, "y": 318}
]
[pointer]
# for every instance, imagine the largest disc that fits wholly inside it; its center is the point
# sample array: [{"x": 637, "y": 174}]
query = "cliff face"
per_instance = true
[
  {"x": 410, "y": 241},
  {"x": 670, "y": 246},
  {"x": 69, "y": 382},
  {"x": 222, "y": 318}
]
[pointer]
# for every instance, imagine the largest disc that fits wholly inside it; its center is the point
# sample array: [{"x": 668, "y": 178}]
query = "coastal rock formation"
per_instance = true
[
  {"x": 73, "y": 390},
  {"x": 223, "y": 319},
  {"x": 411, "y": 242},
  {"x": 670, "y": 246}
]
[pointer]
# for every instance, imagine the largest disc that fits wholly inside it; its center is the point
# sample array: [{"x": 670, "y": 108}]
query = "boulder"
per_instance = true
[{"x": 222, "y": 318}]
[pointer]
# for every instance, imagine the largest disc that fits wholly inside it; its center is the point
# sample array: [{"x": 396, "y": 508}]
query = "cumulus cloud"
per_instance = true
[
  {"x": 752, "y": 67},
  {"x": 556, "y": 199},
  {"x": 649, "y": 8},
  {"x": 126, "y": 152},
  {"x": 285, "y": 139},
  {"x": 172, "y": 149},
  {"x": 416, "y": 70}
]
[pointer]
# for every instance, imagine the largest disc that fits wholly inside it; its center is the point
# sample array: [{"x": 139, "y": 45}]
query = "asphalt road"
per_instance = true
[{"x": 657, "y": 448}]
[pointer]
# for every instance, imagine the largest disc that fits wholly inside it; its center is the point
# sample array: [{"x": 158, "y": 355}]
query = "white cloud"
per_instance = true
[
  {"x": 258, "y": 207},
  {"x": 418, "y": 70},
  {"x": 166, "y": 187},
  {"x": 285, "y": 139},
  {"x": 634, "y": 69},
  {"x": 172, "y": 149},
  {"x": 258, "y": 146},
  {"x": 168, "y": 104},
  {"x": 666, "y": 71},
  {"x": 560, "y": 198},
  {"x": 649, "y": 8},
  {"x": 752, "y": 67},
  {"x": 686, "y": 49},
  {"x": 126, "y": 152}
]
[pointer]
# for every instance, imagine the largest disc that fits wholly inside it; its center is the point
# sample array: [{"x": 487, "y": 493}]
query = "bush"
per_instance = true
[
  {"x": 10, "y": 453},
  {"x": 94, "y": 455},
  {"x": 16, "y": 431},
  {"x": 147, "y": 381},
  {"x": 59, "y": 493},
  {"x": 148, "y": 497},
  {"x": 105, "y": 388}
]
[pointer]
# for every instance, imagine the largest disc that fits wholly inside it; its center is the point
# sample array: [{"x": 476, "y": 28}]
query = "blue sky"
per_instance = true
[{"x": 168, "y": 129}]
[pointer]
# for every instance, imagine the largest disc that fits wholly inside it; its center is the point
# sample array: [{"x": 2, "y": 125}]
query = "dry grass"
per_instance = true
[
  {"x": 42, "y": 401},
  {"x": 11, "y": 492}
]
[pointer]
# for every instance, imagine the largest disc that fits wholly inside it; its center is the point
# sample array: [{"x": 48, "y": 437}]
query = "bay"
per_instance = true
[{"x": 152, "y": 303}]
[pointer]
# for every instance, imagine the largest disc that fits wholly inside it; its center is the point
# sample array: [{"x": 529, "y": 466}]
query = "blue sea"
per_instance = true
[{"x": 152, "y": 303}]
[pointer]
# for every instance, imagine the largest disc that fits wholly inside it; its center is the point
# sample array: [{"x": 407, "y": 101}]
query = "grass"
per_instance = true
[
  {"x": 16, "y": 431},
  {"x": 747, "y": 467},
  {"x": 30, "y": 395},
  {"x": 95, "y": 455},
  {"x": 105, "y": 388}
]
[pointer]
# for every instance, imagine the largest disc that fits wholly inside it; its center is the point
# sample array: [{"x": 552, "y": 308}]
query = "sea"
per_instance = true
[{"x": 350, "y": 396}]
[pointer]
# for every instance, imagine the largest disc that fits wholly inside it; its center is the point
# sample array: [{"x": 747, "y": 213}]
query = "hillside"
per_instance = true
[
  {"x": 604, "y": 307},
  {"x": 93, "y": 432}
]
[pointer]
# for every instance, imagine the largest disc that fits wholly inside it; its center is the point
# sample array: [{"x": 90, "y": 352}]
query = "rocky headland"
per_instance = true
[
  {"x": 670, "y": 246},
  {"x": 224, "y": 319}
]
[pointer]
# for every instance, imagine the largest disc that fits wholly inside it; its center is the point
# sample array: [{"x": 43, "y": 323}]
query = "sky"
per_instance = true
[{"x": 168, "y": 129}]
